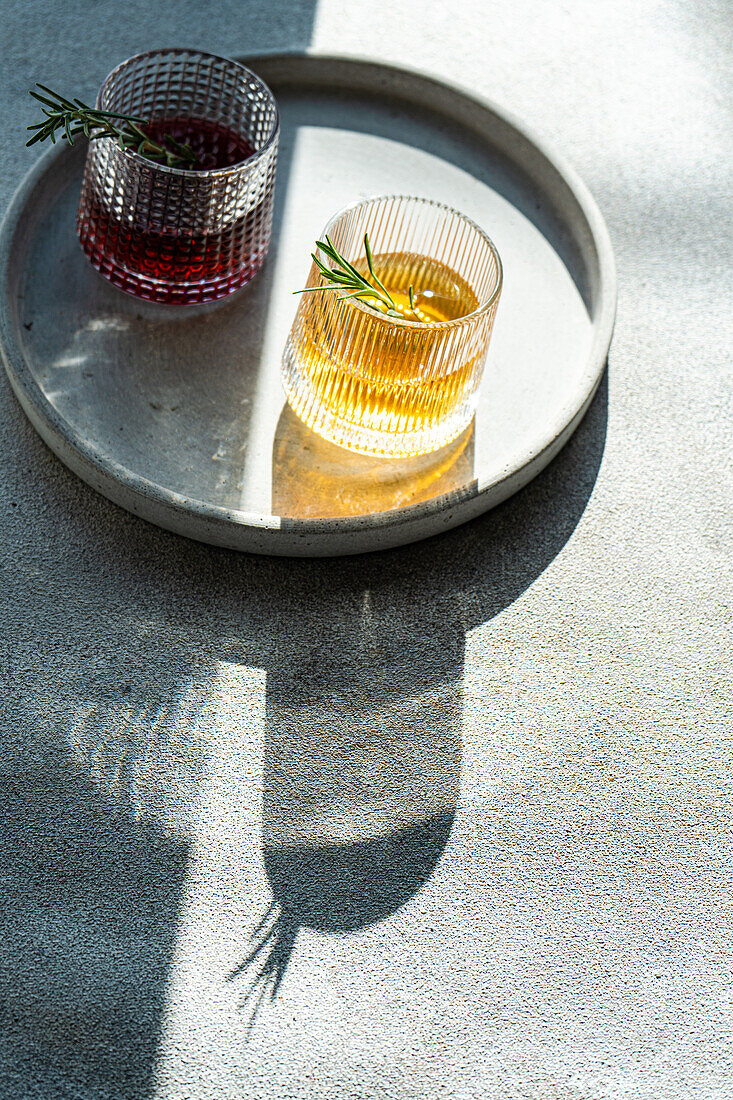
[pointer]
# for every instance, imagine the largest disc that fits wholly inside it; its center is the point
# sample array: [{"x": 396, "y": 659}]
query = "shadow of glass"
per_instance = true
[
  {"x": 361, "y": 779},
  {"x": 335, "y": 888},
  {"x": 364, "y": 708},
  {"x": 356, "y": 810}
]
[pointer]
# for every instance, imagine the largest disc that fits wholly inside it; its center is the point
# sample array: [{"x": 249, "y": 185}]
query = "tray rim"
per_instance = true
[{"x": 265, "y": 533}]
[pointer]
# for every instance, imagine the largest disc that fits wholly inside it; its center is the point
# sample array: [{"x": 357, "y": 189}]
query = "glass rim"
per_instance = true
[
  {"x": 196, "y": 173},
  {"x": 424, "y": 325}
]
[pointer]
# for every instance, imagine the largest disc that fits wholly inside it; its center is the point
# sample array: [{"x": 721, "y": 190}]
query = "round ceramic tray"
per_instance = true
[{"x": 178, "y": 415}]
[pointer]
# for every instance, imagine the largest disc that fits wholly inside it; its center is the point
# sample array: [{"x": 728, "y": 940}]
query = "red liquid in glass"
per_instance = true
[
  {"x": 215, "y": 146},
  {"x": 176, "y": 265}
]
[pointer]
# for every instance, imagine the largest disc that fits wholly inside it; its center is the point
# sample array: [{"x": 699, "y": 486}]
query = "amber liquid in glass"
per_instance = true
[{"x": 396, "y": 387}]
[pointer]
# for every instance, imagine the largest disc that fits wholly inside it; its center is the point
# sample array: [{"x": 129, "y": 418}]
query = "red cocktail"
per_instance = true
[{"x": 174, "y": 234}]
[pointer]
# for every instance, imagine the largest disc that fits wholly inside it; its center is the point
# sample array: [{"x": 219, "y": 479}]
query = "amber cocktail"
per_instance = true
[{"x": 402, "y": 383}]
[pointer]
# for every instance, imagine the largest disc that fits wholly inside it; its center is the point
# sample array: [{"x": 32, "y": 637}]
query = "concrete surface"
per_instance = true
[{"x": 451, "y": 821}]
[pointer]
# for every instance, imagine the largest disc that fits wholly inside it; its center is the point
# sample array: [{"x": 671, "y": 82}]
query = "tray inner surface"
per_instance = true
[{"x": 191, "y": 400}]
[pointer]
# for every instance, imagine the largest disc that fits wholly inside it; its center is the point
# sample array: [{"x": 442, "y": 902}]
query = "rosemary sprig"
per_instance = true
[
  {"x": 342, "y": 277},
  {"x": 73, "y": 117}
]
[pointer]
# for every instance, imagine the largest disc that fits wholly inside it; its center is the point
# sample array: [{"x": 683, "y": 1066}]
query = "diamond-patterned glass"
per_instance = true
[{"x": 176, "y": 235}]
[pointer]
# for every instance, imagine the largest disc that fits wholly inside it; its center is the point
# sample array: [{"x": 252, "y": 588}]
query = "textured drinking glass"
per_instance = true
[
  {"x": 388, "y": 386},
  {"x": 172, "y": 234}
]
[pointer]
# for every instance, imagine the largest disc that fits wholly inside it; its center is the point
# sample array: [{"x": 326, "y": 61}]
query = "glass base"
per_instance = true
[
  {"x": 359, "y": 437},
  {"x": 158, "y": 290}
]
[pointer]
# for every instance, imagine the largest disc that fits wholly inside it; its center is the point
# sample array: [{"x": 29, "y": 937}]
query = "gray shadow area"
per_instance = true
[
  {"x": 104, "y": 752},
  {"x": 89, "y": 907},
  {"x": 361, "y": 778},
  {"x": 101, "y": 763}
]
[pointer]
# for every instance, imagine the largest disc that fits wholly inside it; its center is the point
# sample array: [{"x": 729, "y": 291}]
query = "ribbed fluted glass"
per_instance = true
[
  {"x": 181, "y": 235},
  {"x": 384, "y": 386}
]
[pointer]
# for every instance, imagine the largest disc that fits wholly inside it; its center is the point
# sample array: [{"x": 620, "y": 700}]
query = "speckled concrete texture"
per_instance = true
[{"x": 445, "y": 822}]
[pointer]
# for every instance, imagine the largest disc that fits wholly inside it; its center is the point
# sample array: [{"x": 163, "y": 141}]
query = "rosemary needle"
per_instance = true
[
  {"x": 73, "y": 117},
  {"x": 349, "y": 282}
]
